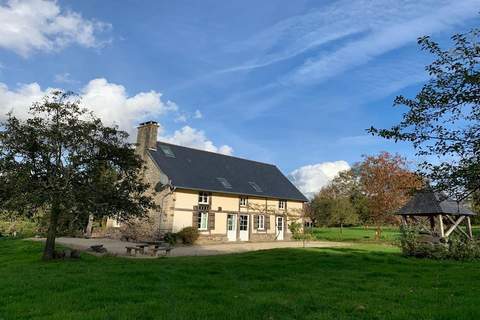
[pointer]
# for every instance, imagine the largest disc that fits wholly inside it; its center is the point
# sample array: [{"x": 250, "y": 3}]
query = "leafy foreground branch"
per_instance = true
[
  {"x": 443, "y": 120},
  {"x": 62, "y": 162}
]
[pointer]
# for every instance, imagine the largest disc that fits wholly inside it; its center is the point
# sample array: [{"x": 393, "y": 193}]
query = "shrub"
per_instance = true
[
  {"x": 456, "y": 248},
  {"x": 170, "y": 238},
  {"x": 188, "y": 235},
  {"x": 296, "y": 230},
  {"x": 19, "y": 228}
]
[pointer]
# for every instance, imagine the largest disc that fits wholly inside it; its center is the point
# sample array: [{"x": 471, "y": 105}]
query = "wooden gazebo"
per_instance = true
[{"x": 437, "y": 214}]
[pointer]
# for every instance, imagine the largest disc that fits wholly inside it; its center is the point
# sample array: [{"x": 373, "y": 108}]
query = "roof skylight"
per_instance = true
[
  {"x": 167, "y": 151},
  {"x": 255, "y": 186},
  {"x": 225, "y": 183}
]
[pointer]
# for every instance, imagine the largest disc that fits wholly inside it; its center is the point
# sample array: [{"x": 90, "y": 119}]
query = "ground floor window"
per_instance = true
[
  {"x": 261, "y": 222},
  {"x": 202, "y": 221}
]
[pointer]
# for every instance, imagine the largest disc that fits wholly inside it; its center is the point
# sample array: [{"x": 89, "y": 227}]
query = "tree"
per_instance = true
[
  {"x": 342, "y": 212},
  {"x": 388, "y": 184},
  {"x": 330, "y": 207},
  {"x": 64, "y": 161},
  {"x": 443, "y": 120}
]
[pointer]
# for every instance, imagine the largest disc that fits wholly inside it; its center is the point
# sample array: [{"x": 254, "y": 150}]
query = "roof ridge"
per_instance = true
[{"x": 216, "y": 153}]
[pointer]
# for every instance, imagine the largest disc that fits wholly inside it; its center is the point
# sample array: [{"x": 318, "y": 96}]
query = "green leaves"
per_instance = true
[
  {"x": 63, "y": 155},
  {"x": 443, "y": 120}
]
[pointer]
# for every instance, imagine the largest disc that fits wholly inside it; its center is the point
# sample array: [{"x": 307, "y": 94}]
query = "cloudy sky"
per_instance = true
[{"x": 294, "y": 83}]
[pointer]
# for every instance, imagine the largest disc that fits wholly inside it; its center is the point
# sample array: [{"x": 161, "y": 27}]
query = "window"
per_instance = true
[
  {"x": 167, "y": 151},
  {"x": 243, "y": 201},
  {"x": 243, "y": 223},
  {"x": 225, "y": 183},
  {"x": 282, "y": 204},
  {"x": 261, "y": 222},
  {"x": 255, "y": 186},
  {"x": 202, "y": 221},
  {"x": 203, "y": 197}
]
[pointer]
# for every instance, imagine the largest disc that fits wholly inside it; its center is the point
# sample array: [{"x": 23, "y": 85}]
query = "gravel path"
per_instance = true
[{"x": 118, "y": 247}]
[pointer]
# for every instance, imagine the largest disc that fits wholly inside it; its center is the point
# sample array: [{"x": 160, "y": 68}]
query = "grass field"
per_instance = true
[
  {"x": 363, "y": 282},
  {"x": 356, "y": 234}
]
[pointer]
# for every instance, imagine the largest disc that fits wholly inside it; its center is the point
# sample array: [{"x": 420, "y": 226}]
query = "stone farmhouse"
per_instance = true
[{"x": 226, "y": 198}]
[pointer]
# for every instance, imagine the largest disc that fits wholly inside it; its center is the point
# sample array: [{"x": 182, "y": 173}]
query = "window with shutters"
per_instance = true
[
  {"x": 243, "y": 201},
  {"x": 261, "y": 222},
  {"x": 203, "y": 198},
  {"x": 202, "y": 221},
  {"x": 282, "y": 204}
]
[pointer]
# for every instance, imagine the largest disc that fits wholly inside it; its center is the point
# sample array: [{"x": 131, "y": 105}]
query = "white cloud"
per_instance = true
[
  {"x": 311, "y": 178},
  {"x": 109, "y": 101},
  {"x": 410, "y": 20},
  {"x": 112, "y": 103},
  {"x": 19, "y": 100},
  {"x": 197, "y": 114},
  {"x": 194, "y": 138},
  {"x": 41, "y": 25},
  {"x": 181, "y": 118},
  {"x": 64, "y": 78}
]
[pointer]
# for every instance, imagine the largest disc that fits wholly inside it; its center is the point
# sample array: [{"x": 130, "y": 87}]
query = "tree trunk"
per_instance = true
[
  {"x": 49, "y": 251},
  {"x": 88, "y": 230},
  {"x": 378, "y": 233},
  {"x": 341, "y": 228}
]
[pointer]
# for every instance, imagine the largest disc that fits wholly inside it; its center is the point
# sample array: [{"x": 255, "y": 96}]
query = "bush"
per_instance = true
[
  {"x": 18, "y": 228},
  {"x": 170, "y": 238},
  {"x": 296, "y": 230},
  {"x": 188, "y": 235},
  {"x": 456, "y": 248}
]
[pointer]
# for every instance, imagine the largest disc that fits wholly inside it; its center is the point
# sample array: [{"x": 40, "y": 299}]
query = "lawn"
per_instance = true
[
  {"x": 363, "y": 282},
  {"x": 356, "y": 234}
]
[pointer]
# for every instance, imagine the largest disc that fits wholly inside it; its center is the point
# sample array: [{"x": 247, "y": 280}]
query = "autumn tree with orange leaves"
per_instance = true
[{"x": 388, "y": 184}]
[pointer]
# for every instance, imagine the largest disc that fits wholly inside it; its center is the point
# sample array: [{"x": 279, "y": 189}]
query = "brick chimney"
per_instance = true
[{"x": 147, "y": 136}]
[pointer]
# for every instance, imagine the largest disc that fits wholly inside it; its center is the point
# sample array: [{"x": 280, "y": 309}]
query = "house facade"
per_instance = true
[{"x": 226, "y": 198}]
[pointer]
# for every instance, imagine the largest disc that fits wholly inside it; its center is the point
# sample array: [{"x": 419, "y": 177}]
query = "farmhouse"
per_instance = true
[{"x": 226, "y": 198}]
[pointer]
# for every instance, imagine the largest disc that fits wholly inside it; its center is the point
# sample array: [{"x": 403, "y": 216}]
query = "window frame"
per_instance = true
[
  {"x": 202, "y": 218},
  {"x": 261, "y": 222},
  {"x": 243, "y": 204},
  {"x": 203, "y": 198},
  {"x": 282, "y": 204}
]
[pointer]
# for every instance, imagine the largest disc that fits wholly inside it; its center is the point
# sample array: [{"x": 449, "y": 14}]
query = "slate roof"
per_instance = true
[
  {"x": 195, "y": 169},
  {"x": 428, "y": 202}
]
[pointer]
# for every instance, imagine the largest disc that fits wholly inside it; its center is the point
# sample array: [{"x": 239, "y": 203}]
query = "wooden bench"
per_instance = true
[
  {"x": 130, "y": 249},
  {"x": 98, "y": 248},
  {"x": 154, "y": 251},
  {"x": 141, "y": 248}
]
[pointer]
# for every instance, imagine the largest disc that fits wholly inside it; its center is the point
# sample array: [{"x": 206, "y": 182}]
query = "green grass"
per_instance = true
[
  {"x": 356, "y": 234},
  {"x": 368, "y": 281}
]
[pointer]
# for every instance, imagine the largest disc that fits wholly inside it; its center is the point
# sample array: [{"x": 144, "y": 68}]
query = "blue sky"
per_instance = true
[{"x": 294, "y": 83}]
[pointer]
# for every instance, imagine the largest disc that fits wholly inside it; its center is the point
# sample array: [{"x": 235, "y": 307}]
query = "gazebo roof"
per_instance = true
[{"x": 427, "y": 203}]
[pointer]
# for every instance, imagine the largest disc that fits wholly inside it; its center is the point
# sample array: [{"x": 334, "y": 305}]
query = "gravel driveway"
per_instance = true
[{"x": 117, "y": 247}]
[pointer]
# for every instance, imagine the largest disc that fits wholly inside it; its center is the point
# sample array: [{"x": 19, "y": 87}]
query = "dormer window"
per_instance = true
[
  {"x": 203, "y": 197},
  {"x": 282, "y": 204}
]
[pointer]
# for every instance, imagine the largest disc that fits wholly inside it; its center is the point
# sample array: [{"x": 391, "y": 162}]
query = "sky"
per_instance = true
[{"x": 293, "y": 83}]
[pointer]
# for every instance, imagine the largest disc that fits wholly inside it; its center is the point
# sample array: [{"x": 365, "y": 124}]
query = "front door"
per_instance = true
[
  {"x": 232, "y": 227},
  {"x": 243, "y": 226},
  {"x": 280, "y": 230}
]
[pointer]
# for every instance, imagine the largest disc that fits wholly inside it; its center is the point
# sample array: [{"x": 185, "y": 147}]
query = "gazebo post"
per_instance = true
[
  {"x": 404, "y": 221},
  {"x": 442, "y": 230},
  {"x": 432, "y": 224},
  {"x": 469, "y": 228}
]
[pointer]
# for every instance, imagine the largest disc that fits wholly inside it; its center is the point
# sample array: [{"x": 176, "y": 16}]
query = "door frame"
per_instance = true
[
  {"x": 248, "y": 227},
  {"x": 235, "y": 226},
  {"x": 277, "y": 233}
]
